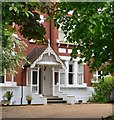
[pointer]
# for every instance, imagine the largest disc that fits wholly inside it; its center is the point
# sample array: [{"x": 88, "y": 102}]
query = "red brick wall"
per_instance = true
[{"x": 87, "y": 75}]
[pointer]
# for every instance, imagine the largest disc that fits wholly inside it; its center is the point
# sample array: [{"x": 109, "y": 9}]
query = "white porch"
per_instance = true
[{"x": 43, "y": 80}]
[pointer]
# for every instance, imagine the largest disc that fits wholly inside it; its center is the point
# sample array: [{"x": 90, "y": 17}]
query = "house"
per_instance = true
[{"x": 50, "y": 72}]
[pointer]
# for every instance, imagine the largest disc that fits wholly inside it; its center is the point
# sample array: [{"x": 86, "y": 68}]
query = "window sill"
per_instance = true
[
  {"x": 9, "y": 84},
  {"x": 84, "y": 85},
  {"x": 64, "y": 42}
]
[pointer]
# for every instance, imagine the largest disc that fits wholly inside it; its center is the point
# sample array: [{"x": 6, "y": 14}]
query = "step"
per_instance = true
[
  {"x": 54, "y": 98},
  {"x": 56, "y": 101}
]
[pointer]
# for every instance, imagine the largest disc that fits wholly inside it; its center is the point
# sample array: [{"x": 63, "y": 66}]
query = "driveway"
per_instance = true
[{"x": 58, "y": 111}]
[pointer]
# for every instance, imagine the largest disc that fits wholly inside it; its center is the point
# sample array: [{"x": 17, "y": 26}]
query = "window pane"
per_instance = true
[
  {"x": 1, "y": 79},
  {"x": 80, "y": 79},
  {"x": 70, "y": 78},
  {"x": 70, "y": 68},
  {"x": 56, "y": 78},
  {"x": 34, "y": 77},
  {"x": 80, "y": 67},
  {"x": 62, "y": 78},
  {"x": 99, "y": 74}
]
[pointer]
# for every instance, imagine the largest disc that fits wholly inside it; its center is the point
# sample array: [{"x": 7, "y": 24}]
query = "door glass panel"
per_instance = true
[
  {"x": 56, "y": 78},
  {"x": 34, "y": 77}
]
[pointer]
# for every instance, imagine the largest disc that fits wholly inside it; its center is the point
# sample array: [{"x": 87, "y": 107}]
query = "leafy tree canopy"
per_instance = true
[
  {"x": 91, "y": 28},
  {"x": 24, "y": 15}
]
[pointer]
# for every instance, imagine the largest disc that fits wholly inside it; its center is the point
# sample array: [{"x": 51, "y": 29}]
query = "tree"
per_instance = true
[
  {"x": 24, "y": 15},
  {"x": 91, "y": 28}
]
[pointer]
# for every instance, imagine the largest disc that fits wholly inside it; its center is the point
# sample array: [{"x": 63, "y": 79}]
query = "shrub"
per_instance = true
[{"x": 103, "y": 90}]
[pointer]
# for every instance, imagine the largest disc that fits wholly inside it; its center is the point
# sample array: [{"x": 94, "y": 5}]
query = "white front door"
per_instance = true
[{"x": 47, "y": 81}]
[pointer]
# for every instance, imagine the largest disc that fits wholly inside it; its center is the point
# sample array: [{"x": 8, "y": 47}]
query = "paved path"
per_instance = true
[{"x": 58, "y": 111}]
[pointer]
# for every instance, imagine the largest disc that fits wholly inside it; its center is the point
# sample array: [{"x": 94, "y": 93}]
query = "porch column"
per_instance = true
[
  {"x": 66, "y": 72},
  {"x": 31, "y": 79},
  {"x": 75, "y": 72},
  {"x": 59, "y": 80},
  {"x": 26, "y": 76},
  {"x": 53, "y": 81},
  {"x": 38, "y": 79}
]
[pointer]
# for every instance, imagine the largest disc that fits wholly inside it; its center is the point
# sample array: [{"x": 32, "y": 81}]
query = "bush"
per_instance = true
[{"x": 103, "y": 90}]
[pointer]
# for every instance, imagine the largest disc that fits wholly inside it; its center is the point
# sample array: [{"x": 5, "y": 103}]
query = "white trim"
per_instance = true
[
  {"x": 31, "y": 80},
  {"x": 62, "y": 50},
  {"x": 66, "y": 72},
  {"x": 26, "y": 76},
  {"x": 69, "y": 51},
  {"x": 47, "y": 63},
  {"x": 53, "y": 80},
  {"x": 12, "y": 78},
  {"x": 59, "y": 80},
  {"x": 75, "y": 72},
  {"x": 38, "y": 80}
]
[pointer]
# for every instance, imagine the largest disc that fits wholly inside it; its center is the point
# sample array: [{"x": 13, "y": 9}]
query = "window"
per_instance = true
[
  {"x": 80, "y": 74},
  {"x": 71, "y": 73},
  {"x": 61, "y": 35},
  {"x": 56, "y": 77},
  {"x": 34, "y": 82},
  {"x": 97, "y": 75},
  {"x": 1, "y": 79}
]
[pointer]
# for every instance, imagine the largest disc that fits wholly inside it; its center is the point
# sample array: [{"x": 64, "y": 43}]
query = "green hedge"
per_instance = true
[{"x": 103, "y": 90}]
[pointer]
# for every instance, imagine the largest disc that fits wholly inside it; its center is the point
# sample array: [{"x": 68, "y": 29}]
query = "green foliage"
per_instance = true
[
  {"x": 22, "y": 14},
  {"x": 90, "y": 28},
  {"x": 103, "y": 90},
  {"x": 8, "y": 95},
  {"x": 28, "y": 98}
]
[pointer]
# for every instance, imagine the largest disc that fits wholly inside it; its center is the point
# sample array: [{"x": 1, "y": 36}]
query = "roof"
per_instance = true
[
  {"x": 34, "y": 55},
  {"x": 37, "y": 54}
]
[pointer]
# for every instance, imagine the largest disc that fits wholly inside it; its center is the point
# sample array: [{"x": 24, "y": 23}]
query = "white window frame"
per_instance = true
[
  {"x": 35, "y": 85},
  {"x": 69, "y": 72},
  {"x": 80, "y": 73},
  {"x": 96, "y": 75}
]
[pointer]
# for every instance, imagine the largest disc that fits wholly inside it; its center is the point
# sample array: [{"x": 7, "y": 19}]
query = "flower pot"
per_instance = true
[
  {"x": 9, "y": 99},
  {"x": 29, "y": 102}
]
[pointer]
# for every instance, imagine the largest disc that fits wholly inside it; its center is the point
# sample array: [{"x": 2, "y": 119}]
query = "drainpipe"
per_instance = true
[
  {"x": 22, "y": 87},
  {"x": 51, "y": 31}
]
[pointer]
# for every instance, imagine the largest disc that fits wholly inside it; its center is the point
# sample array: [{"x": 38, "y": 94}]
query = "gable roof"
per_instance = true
[
  {"x": 37, "y": 55},
  {"x": 34, "y": 55}
]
